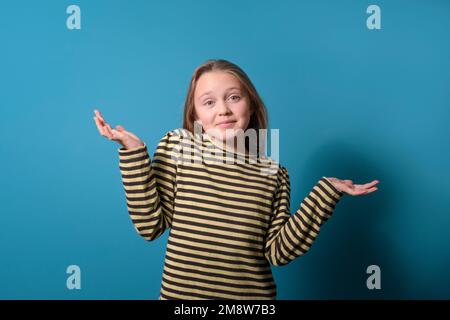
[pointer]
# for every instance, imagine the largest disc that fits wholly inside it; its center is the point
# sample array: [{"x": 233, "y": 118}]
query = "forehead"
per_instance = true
[{"x": 216, "y": 82}]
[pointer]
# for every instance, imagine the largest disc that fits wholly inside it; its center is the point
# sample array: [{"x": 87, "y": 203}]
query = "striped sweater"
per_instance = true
[{"x": 228, "y": 214}]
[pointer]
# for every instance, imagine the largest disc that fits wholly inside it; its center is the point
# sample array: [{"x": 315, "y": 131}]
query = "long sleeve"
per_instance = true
[
  {"x": 290, "y": 236},
  {"x": 150, "y": 186}
]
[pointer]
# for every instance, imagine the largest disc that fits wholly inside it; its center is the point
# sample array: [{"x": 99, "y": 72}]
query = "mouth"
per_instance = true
[{"x": 226, "y": 124}]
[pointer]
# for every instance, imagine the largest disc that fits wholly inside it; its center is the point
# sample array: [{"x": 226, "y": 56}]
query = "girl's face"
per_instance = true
[{"x": 221, "y": 104}]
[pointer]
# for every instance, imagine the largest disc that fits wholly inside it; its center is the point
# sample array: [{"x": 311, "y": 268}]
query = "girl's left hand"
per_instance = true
[{"x": 348, "y": 187}]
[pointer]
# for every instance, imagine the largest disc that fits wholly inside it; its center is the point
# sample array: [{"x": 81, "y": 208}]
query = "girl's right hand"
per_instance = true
[{"x": 127, "y": 139}]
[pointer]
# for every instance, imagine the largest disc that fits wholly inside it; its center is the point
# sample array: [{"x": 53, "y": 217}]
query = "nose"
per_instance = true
[{"x": 223, "y": 108}]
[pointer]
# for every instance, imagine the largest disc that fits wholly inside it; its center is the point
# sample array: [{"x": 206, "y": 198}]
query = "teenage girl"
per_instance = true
[{"x": 229, "y": 220}]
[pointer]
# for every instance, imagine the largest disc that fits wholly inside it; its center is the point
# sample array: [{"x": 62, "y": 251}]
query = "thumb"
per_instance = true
[{"x": 120, "y": 128}]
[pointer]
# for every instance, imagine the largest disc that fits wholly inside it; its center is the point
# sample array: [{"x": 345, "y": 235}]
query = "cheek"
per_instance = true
[
  {"x": 244, "y": 111},
  {"x": 204, "y": 116}
]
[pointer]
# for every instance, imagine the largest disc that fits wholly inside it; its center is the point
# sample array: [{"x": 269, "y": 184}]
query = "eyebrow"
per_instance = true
[{"x": 229, "y": 89}]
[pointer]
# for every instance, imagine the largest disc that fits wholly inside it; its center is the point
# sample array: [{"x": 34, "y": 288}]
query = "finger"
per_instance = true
[
  {"x": 99, "y": 115},
  {"x": 100, "y": 120},
  {"x": 370, "y": 184},
  {"x": 108, "y": 126},
  {"x": 372, "y": 190},
  {"x": 367, "y": 185},
  {"x": 358, "y": 192},
  {"x": 99, "y": 126},
  {"x": 366, "y": 191},
  {"x": 108, "y": 132},
  {"x": 120, "y": 128},
  {"x": 111, "y": 132},
  {"x": 354, "y": 189}
]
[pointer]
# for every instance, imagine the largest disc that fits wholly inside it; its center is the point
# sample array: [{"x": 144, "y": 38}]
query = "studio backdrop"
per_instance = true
[{"x": 357, "y": 89}]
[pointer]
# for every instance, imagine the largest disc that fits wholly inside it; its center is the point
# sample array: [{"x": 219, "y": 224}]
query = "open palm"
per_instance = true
[
  {"x": 127, "y": 139},
  {"x": 348, "y": 187}
]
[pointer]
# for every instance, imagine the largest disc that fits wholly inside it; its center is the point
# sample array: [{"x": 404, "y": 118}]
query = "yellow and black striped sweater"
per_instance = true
[{"x": 229, "y": 220}]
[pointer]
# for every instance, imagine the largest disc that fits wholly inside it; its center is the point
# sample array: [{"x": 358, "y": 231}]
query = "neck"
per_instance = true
[{"x": 231, "y": 145}]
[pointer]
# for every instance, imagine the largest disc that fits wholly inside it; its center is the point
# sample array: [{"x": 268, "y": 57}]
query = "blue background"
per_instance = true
[{"x": 350, "y": 102}]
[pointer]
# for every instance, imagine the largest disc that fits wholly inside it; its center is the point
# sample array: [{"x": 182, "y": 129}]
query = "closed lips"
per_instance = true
[{"x": 225, "y": 122}]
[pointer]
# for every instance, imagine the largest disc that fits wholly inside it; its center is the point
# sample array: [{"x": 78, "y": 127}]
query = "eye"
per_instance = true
[
  {"x": 209, "y": 103},
  {"x": 235, "y": 98}
]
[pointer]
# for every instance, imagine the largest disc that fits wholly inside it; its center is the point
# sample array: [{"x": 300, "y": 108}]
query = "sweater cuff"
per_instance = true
[
  {"x": 335, "y": 193},
  {"x": 128, "y": 152}
]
